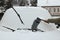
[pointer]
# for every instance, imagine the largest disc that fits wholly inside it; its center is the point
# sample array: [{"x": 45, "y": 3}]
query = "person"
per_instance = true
[
  {"x": 23, "y": 3},
  {"x": 34, "y": 3},
  {"x": 35, "y": 24},
  {"x": 27, "y": 4},
  {"x": 55, "y": 20}
]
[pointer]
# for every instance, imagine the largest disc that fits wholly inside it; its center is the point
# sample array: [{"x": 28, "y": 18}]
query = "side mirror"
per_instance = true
[{"x": 35, "y": 24}]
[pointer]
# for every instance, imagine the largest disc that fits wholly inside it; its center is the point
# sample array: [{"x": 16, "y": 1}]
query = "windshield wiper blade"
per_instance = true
[
  {"x": 18, "y": 15},
  {"x": 9, "y": 28}
]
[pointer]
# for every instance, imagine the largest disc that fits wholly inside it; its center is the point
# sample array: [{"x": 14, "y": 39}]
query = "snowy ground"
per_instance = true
[{"x": 28, "y": 35}]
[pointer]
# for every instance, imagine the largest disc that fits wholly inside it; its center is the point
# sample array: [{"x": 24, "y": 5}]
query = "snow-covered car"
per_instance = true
[{"x": 28, "y": 15}]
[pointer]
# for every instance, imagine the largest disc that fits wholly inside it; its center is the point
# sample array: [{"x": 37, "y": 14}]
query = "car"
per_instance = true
[{"x": 28, "y": 15}]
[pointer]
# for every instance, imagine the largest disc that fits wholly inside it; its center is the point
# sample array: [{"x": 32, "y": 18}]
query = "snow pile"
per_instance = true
[{"x": 23, "y": 35}]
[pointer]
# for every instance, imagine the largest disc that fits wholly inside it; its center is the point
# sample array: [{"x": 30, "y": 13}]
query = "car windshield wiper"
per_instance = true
[
  {"x": 9, "y": 28},
  {"x": 18, "y": 15}
]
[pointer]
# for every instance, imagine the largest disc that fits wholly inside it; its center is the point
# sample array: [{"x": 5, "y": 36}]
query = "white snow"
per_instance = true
[
  {"x": 28, "y": 15},
  {"x": 23, "y": 35},
  {"x": 48, "y": 2}
]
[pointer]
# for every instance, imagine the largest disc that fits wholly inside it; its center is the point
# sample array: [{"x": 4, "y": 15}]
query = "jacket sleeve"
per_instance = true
[{"x": 56, "y": 20}]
